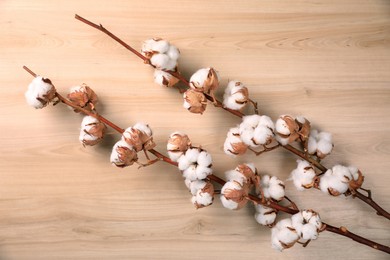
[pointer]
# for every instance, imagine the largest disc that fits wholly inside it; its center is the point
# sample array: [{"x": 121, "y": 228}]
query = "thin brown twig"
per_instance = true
[{"x": 222, "y": 182}]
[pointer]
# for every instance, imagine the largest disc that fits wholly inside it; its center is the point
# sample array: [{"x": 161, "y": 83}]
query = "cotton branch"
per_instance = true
[{"x": 269, "y": 203}]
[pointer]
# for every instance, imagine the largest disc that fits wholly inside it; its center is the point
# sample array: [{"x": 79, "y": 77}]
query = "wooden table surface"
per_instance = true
[{"x": 327, "y": 60}]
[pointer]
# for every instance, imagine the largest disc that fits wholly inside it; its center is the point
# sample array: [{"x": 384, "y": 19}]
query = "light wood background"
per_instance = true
[{"x": 327, "y": 60}]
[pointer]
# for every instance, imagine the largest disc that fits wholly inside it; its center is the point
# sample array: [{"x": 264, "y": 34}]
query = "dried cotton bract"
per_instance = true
[
  {"x": 340, "y": 180},
  {"x": 40, "y": 92},
  {"x": 83, "y": 96},
  {"x": 139, "y": 136},
  {"x": 304, "y": 175},
  {"x": 177, "y": 145},
  {"x": 194, "y": 101},
  {"x": 320, "y": 143},
  {"x": 123, "y": 154},
  {"x": 236, "y": 95},
  {"x": 92, "y": 131},
  {"x": 164, "y": 79}
]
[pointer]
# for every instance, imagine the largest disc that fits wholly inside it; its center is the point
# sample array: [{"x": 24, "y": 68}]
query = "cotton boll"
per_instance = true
[
  {"x": 123, "y": 154},
  {"x": 202, "y": 199},
  {"x": 40, "y": 92},
  {"x": 164, "y": 79},
  {"x": 92, "y": 131},
  {"x": 194, "y": 101},
  {"x": 173, "y": 52},
  {"x": 160, "y": 61},
  {"x": 234, "y": 195},
  {"x": 198, "y": 79},
  {"x": 320, "y": 143},
  {"x": 276, "y": 192},
  {"x": 307, "y": 223},
  {"x": 283, "y": 235},
  {"x": 235, "y": 96},
  {"x": 234, "y": 146},
  {"x": 303, "y": 176}
]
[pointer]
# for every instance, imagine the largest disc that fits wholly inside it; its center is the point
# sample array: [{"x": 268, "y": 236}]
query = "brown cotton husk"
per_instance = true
[
  {"x": 196, "y": 100},
  {"x": 85, "y": 97},
  {"x": 169, "y": 81},
  {"x": 356, "y": 184},
  {"x": 211, "y": 83},
  {"x": 97, "y": 130},
  {"x": 304, "y": 129},
  {"x": 50, "y": 95},
  {"x": 126, "y": 156},
  {"x": 238, "y": 148},
  {"x": 247, "y": 172},
  {"x": 138, "y": 139},
  {"x": 179, "y": 143},
  {"x": 238, "y": 196}
]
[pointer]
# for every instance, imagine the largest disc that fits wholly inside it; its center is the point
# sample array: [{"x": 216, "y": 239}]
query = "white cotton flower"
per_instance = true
[
  {"x": 256, "y": 130},
  {"x": 336, "y": 181},
  {"x": 123, "y": 154},
  {"x": 40, "y": 92},
  {"x": 303, "y": 176},
  {"x": 236, "y": 95},
  {"x": 204, "y": 80},
  {"x": 283, "y": 235},
  {"x": 307, "y": 223},
  {"x": 320, "y": 143},
  {"x": 234, "y": 195},
  {"x": 164, "y": 79},
  {"x": 272, "y": 187},
  {"x": 92, "y": 131},
  {"x": 265, "y": 216}
]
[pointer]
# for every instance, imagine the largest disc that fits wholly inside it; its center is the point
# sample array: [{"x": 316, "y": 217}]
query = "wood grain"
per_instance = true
[{"x": 327, "y": 60}]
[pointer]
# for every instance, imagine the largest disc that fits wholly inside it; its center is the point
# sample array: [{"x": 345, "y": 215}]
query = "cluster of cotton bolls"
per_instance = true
[
  {"x": 253, "y": 132},
  {"x": 195, "y": 165},
  {"x": 163, "y": 56},
  {"x": 341, "y": 180},
  {"x": 236, "y": 95},
  {"x": 289, "y": 129},
  {"x": 40, "y": 92},
  {"x": 302, "y": 227},
  {"x": 304, "y": 176},
  {"x": 134, "y": 139},
  {"x": 320, "y": 143},
  {"x": 234, "y": 193}
]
